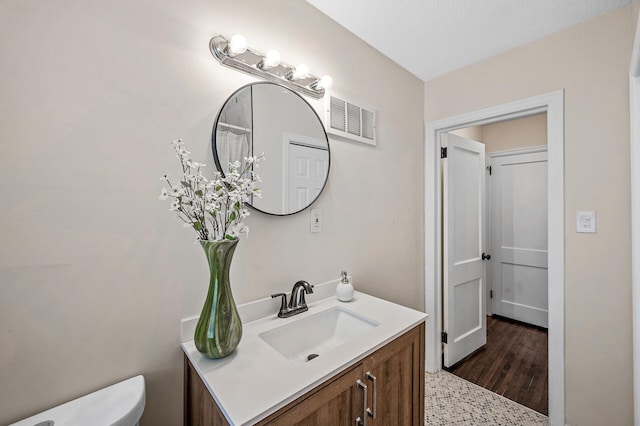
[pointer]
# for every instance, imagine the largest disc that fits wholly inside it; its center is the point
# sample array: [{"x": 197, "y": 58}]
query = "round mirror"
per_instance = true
[{"x": 271, "y": 119}]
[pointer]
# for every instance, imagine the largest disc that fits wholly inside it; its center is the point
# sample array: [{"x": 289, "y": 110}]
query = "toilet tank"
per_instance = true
[{"x": 120, "y": 404}]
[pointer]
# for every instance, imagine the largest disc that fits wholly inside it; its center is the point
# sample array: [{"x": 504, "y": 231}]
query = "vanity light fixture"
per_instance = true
[{"x": 235, "y": 53}]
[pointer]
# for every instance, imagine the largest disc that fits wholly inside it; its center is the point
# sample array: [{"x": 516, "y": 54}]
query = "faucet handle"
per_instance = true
[{"x": 283, "y": 304}]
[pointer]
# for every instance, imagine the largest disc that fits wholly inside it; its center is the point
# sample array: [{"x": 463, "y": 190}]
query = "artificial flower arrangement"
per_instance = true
[{"x": 215, "y": 208}]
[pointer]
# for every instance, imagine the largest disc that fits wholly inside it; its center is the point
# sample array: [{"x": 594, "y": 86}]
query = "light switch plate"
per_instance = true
[
  {"x": 316, "y": 220},
  {"x": 586, "y": 222}
]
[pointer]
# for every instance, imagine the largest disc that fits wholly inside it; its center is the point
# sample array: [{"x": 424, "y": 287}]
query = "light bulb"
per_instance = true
[
  {"x": 325, "y": 82},
  {"x": 271, "y": 59},
  {"x": 301, "y": 71},
  {"x": 237, "y": 45}
]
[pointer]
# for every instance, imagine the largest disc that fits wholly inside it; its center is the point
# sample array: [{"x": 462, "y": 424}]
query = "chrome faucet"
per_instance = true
[
  {"x": 297, "y": 295},
  {"x": 297, "y": 302}
]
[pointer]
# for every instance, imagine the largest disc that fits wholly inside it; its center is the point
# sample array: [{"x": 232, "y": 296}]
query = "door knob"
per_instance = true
[{"x": 486, "y": 256}]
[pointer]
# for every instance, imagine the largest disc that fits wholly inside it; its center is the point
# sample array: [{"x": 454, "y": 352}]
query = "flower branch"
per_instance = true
[{"x": 215, "y": 208}]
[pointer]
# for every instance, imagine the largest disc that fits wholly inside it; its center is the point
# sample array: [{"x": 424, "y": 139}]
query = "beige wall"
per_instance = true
[
  {"x": 95, "y": 273},
  {"x": 518, "y": 133},
  {"x": 474, "y": 133},
  {"x": 515, "y": 134},
  {"x": 590, "y": 62}
]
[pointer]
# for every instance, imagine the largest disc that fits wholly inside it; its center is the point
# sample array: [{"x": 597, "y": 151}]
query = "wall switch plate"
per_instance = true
[
  {"x": 586, "y": 222},
  {"x": 316, "y": 220}
]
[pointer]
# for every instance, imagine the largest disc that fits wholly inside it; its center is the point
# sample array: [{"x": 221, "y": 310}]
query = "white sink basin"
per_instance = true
[{"x": 301, "y": 341}]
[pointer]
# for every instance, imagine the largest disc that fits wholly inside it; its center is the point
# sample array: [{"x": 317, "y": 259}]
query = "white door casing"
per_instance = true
[
  {"x": 634, "y": 111},
  {"x": 463, "y": 246},
  {"x": 519, "y": 267},
  {"x": 553, "y": 104}
]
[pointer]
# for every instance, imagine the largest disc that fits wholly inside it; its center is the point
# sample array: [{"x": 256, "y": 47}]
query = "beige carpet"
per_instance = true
[{"x": 450, "y": 400}]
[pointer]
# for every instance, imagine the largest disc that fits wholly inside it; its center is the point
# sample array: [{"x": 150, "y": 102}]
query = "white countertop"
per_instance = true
[{"x": 255, "y": 380}]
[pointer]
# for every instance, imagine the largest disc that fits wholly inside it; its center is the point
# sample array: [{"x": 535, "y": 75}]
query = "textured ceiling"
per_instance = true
[{"x": 433, "y": 37}]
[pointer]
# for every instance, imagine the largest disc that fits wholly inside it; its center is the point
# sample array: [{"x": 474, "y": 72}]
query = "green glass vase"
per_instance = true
[{"x": 219, "y": 328}]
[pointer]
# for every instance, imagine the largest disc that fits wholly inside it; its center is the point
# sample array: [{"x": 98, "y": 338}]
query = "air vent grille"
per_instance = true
[
  {"x": 350, "y": 120},
  {"x": 353, "y": 119},
  {"x": 368, "y": 124},
  {"x": 337, "y": 114}
]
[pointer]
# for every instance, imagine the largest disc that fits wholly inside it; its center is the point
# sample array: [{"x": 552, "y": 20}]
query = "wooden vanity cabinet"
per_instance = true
[{"x": 398, "y": 369}]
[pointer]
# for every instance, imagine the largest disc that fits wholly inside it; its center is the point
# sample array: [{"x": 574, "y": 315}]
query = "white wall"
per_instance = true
[
  {"x": 95, "y": 273},
  {"x": 591, "y": 63}
]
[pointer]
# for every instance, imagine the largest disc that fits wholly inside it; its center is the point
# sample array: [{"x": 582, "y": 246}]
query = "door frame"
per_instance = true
[
  {"x": 634, "y": 110},
  {"x": 553, "y": 104}
]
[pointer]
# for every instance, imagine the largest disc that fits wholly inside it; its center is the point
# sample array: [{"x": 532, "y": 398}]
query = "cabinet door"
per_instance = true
[
  {"x": 398, "y": 369},
  {"x": 200, "y": 409},
  {"x": 336, "y": 403}
]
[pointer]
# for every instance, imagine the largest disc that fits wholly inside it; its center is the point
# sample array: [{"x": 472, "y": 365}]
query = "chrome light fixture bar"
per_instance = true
[{"x": 235, "y": 53}]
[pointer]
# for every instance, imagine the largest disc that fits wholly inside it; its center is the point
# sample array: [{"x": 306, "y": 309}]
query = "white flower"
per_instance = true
[
  {"x": 163, "y": 194},
  {"x": 175, "y": 191},
  {"x": 255, "y": 159},
  {"x": 213, "y": 208},
  {"x": 194, "y": 164}
]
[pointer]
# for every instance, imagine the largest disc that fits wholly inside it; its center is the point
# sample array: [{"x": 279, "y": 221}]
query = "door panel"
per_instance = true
[
  {"x": 466, "y": 232},
  {"x": 467, "y": 309},
  {"x": 524, "y": 285},
  {"x": 519, "y": 237},
  {"x": 305, "y": 176},
  {"x": 463, "y": 241},
  {"x": 524, "y": 200}
]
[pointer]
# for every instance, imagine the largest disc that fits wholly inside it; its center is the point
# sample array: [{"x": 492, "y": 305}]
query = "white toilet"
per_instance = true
[{"x": 121, "y": 404}]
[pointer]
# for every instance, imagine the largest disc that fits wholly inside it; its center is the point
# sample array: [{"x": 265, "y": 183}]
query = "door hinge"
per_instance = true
[
  {"x": 444, "y": 336},
  {"x": 443, "y": 152},
  {"x": 489, "y": 168},
  {"x": 490, "y": 294}
]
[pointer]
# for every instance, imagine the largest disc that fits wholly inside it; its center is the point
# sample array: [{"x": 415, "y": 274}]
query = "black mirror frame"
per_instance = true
[{"x": 215, "y": 151}]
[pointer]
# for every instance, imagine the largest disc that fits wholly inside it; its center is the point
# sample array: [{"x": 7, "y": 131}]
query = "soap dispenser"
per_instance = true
[{"x": 344, "y": 290}]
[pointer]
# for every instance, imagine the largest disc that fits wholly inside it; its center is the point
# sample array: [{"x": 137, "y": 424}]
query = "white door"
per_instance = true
[
  {"x": 305, "y": 175},
  {"x": 519, "y": 237},
  {"x": 463, "y": 243}
]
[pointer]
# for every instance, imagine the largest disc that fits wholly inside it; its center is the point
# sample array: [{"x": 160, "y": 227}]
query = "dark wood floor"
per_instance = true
[{"x": 514, "y": 363}]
